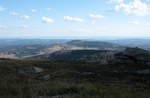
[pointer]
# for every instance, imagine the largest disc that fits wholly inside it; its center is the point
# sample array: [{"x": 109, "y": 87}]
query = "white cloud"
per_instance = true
[
  {"x": 48, "y": 9},
  {"x": 148, "y": 23},
  {"x": 93, "y": 22},
  {"x": 96, "y": 16},
  {"x": 2, "y": 27},
  {"x": 33, "y": 10},
  {"x": 135, "y": 7},
  {"x": 14, "y": 13},
  {"x": 68, "y": 18},
  {"x": 134, "y": 22},
  {"x": 2, "y": 9},
  {"x": 47, "y": 20},
  {"x": 142, "y": 23},
  {"x": 23, "y": 26},
  {"x": 25, "y": 17},
  {"x": 117, "y": 1}
]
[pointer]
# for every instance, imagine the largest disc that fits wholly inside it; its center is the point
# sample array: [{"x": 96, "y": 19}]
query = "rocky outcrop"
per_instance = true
[
  {"x": 33, "y": 72},
  {"x": 29, "y": 70},
  {"x": 146, "y": 71},
  {"x": 136, "y": 55},
  {"x": 44, "y": 77}
]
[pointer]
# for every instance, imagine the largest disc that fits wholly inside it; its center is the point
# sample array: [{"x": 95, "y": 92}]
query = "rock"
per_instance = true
[
  {"x": 87, "y": 73},
  {"x": 56, "y": 96},
  {"x": 136, "y": 55},
  {"x": 148, "y": 63},
  {"x": 135, "y": 51},
  {"x": 29, "y": 70},
  {"x": 44, "y": 77},
  {"x": 37, "y": 69},
  {"x": 33, "y": 72},
  {"x": 146, "y": 71}
]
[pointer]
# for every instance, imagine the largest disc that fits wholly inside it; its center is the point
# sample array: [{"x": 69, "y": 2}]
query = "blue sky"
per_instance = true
[{"x": 74, "y": 18}]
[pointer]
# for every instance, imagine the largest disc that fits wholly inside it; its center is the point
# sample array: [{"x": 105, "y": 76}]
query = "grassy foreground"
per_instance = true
[{"x": 70, "y": 80}]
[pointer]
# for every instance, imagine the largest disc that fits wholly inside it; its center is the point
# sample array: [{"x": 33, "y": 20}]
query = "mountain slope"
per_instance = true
[
  {"x": 128, "y": 56},
  {"x": 29, "y": 51},
  {"x": 96, "y": 44},
  {"x": 102, "y": 56}
]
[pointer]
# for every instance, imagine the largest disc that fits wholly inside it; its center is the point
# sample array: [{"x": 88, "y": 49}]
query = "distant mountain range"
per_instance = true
[
  {"x": 96, "y": 44},
  {"x": 79, "y": 45},
  {"x": 141, "y": 43},
  {"x": 127, "y": 56},
  {"x": 27, "y": 49},
  {"x": 84, "y": 50}
]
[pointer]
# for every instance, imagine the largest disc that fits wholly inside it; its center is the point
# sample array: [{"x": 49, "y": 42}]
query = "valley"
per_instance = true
[{"x": 74, "y": 69}]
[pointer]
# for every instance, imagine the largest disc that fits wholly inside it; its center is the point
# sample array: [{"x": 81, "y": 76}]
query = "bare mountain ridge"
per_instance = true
[
  {"x": 79, "y": 45},
  {"x": 96, "y": 44},
  {"x": 128, "y": 56},
  {"x": 136, "y": 55},
  {"x": 83, "y": 45},
  {"x": 92, "y": 51}
]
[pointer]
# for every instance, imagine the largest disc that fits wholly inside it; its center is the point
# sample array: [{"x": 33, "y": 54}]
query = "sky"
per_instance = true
[{"x": 74, "y": 18}]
